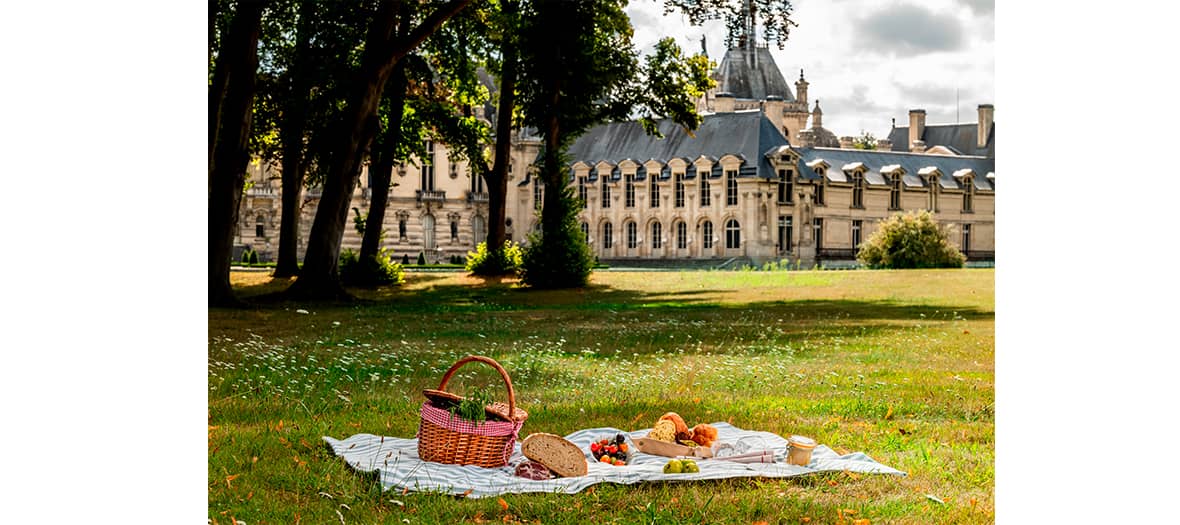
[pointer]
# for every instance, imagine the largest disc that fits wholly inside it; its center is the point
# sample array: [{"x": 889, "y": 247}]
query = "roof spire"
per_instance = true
[{"x": 800, "y": 73}]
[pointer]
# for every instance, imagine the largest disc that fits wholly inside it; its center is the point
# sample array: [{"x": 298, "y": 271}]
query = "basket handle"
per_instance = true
[{"x": 490, "y": 362}]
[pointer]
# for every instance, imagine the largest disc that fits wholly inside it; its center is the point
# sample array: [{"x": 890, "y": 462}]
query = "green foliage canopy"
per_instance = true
[{"x": 910, "y": 240}]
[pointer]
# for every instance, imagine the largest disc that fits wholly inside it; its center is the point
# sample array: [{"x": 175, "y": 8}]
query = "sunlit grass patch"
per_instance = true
[{"x": 895, "y": 364}]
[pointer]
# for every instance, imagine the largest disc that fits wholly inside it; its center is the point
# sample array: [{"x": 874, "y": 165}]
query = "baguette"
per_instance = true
[{"x": 555, "y": 452}]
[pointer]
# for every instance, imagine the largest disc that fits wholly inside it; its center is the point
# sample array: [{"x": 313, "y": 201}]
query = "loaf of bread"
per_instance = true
[{"x": 555, "y": 452}]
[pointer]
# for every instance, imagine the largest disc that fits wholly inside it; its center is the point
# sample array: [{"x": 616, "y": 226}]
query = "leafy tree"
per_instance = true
[
  {"x": 910, "y": 240},
  {"x": 866, "y": 140},
  {"x": 741, "y": 17},
  {"x": 231, "y": 95},
  {"x": 353, "y": 133},
  {"x": 578, "y": 68}
]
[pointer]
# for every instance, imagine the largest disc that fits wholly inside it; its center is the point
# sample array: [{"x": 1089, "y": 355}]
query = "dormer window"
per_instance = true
[
  {"x": 968, "y": 194},
  {"x": 858, "y": 190},
  {"x": 786, "y": 184}
]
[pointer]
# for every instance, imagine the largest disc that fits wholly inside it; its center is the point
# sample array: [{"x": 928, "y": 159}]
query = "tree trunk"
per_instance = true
[
  {"x": 497, "y": 178},
  {"x": 551, "y": 172},
  {"x": 381, "y": 169},
  {"x": 293, "y": 130},
  {"x": 239, "y": 56},
  {"x": 319, "y": 278}
]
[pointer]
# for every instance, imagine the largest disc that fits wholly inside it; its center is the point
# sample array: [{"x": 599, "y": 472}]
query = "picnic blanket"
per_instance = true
[{"x": 396, "y": 462}]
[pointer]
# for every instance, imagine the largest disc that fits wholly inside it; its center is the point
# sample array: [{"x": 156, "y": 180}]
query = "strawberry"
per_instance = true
[{"x": 595, "y": 447}]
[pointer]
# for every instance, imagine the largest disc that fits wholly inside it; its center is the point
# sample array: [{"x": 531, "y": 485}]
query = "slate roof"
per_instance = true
[
  {"x": 960, "y": 138},
  {"x": 912, "y": 163},
  {"x": 746, "y": 134},
  {"x": 751, "y": 73}
]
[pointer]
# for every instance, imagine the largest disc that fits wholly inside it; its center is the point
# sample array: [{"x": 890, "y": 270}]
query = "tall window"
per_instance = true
[
  {"x": 733, "y": 234},
  {"x": 820, "y": 186},
  {"x": 427, "y": 178},
  {"x": 856, "y": 234},
  {"x": 707, "y": 235},
  {"x": 607, "y": 240},
  {"x": 632, "y": 235},
  {"x": 629, "y": 191},
  {"x": 605, "y": 192},
  {"x": 582, "y": 191},
  {"x": 401, "y": 229},
  {"x": 655, "y": 190},
  {"x": 968, "y": 194},
  {"x": 706, "y": 199},
  {"x": 428, "y": 232},
  {"x": 585, "y": 231},
  {"x": 679, "y": 196},
  {"x": 657, "y": 231},
  {"x": 895, "y": 191},
  {"x": 858, "y": 190},
  {"x": 260, "y": 226},
  {"x": 731, "y": 188},
  {"x": 538, "y": 193},
  {"x": 934, "y": 188},
  {"x": 478, "y": 230},
  {"x": 966, "y": 237},
  {"x": 785, "y": 231},
  {"x": 454, "y": 231},
  {"x": 817, "y": 227},
  {"x": 681, "y": 235},
  {"x": 477, "y": 183},
  {"x": 785, "y": 186}
]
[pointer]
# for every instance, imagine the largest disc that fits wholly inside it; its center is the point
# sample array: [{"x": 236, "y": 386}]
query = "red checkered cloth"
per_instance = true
[{"x": 449, "y": 421}]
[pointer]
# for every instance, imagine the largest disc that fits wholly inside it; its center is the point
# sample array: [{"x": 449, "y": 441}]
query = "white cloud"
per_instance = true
[{"x": 858, "y": 85}]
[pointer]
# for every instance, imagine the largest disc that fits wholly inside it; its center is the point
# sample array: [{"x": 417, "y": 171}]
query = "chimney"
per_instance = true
[
  {"x": 917, "y": 126},
  {"x": 987, "y": 115},
  {"x": 805, "y": 138},
  {"x": 723, "y": 102},
  {"x": 801, "y": 90},
  {"x": 918, "y": 146},
  {"x": 847, "y": 142},
  {"x": 773, "y": 108}
]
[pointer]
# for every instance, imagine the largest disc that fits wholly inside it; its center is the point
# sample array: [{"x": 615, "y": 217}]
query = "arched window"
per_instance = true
[
  {"x": 478, "y": 230},
  {"x": 454, "y": 231},
  {"x": 632, "y": 235},
  {"x": 260, "y": 226},
  {"x": 733, "y": 234},
  {"x": 428, "y": 232},
  {"x": 657, "y": 231},
  {"x": 681, "y": 235},
  {"x": 607, "y": 241},
  {"x": 707, "y": 234},
  {"x": 895, "y": 191}
]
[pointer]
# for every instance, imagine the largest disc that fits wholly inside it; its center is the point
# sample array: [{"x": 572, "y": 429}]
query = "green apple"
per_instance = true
[{"x": 673, "y": 467}]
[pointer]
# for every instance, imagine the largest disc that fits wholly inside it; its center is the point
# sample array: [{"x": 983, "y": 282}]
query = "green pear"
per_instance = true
[{"x": 673, "y": 467}]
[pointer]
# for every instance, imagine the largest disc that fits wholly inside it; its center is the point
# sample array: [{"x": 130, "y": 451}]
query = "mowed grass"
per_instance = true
[{"x": 896, "y": 364}]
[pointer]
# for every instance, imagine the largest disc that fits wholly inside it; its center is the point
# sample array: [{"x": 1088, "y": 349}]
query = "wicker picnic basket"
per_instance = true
[{"x": 446, "y": 438}]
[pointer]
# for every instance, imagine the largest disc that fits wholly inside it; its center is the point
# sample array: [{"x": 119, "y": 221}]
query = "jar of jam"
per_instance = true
[{"x": 799, "y": 450}]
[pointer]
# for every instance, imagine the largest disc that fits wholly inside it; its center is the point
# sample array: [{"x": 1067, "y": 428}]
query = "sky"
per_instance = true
[{"x": 868, "y": 61}]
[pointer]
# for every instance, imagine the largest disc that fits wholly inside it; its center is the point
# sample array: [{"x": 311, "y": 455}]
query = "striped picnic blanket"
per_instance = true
[{"x": 396, "y": 462}]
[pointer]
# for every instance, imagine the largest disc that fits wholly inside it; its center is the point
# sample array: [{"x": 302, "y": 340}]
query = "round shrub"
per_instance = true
[
  {"x": 483, "y": 262},
  {"x": 372, "y": 271},
  {"x": 910, "y": 240}
]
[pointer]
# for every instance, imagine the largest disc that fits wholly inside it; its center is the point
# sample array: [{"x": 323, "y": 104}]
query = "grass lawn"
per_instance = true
[{"x": 896, "y": 364}]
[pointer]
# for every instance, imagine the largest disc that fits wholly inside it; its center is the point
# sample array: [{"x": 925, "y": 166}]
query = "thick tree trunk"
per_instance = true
[
  {"x": 239, "y": 56},
  {"x": 293, "y": 132},
  {"x": 497, "y": 178},
  {"x": 381, "y": 169},
  {"x": 319, "y": 278},
  {"x": 551, "y": 172}
]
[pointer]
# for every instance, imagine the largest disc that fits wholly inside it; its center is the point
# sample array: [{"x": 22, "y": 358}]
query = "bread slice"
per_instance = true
[{"x": 555, "y": 452}]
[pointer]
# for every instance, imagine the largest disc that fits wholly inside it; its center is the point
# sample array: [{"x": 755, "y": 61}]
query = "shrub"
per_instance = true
[
  {"x": 421, "y": 259},
  {"x": 559, "y": 257},
  {"x": 246, "y": 256},
  {"x": 406, "y": 259},
  {"x": 910, "y": 240},
  {"x": 372, "y": 271},
  {"x": 253, "y": 257},
  {"x": 483, "y": 262}
]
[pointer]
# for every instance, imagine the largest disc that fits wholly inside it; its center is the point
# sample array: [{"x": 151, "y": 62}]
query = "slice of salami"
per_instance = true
[{"x": 532, "y": 470}]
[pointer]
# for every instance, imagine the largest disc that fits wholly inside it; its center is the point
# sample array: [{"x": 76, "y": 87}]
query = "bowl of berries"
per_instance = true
[{"x": 611, "y": 450}]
